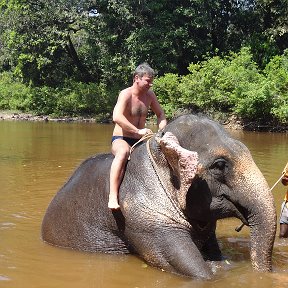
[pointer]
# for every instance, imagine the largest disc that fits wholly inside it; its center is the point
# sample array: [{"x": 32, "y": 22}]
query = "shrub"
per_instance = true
[
  {"x": 78, "y": 98},
  {"x": 167, "y": 90},
  {"x": 232, "y": 84},
  {"x": 277, "y": 76},
  {"x": 14, "y": 95}
]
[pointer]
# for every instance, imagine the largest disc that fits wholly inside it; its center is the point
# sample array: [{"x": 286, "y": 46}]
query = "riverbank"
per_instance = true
[
  {"x": 20, "y": 116},
  {"x": 231, "y": 123}
]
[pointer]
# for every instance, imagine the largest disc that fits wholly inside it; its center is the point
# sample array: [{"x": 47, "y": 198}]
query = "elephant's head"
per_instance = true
[{"x": 208, "y": 166}]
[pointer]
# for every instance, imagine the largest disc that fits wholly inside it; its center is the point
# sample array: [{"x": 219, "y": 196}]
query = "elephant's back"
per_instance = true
[{"x": 78, "y": 216}]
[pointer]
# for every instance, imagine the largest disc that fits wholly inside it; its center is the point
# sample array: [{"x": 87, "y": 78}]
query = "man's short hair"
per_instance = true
[{"x": 144, "y": 69}]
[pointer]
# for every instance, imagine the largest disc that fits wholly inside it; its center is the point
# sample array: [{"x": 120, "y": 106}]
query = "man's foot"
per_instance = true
[{"x": 113, "y": 204}]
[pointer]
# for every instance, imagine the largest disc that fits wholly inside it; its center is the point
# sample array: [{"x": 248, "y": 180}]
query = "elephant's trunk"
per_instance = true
[
  {"x": 261, "y": 219},
  {"x": 263, "y": 230},
  {"x": 262, "y": 246}
]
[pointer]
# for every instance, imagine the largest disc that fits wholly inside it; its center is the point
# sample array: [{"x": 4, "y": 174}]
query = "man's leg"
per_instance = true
[
  {"x": 120, "y": 149},
  {"x": 283, "y": 233}
]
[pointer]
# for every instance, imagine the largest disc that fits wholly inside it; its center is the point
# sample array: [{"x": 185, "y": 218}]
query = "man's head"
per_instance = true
[
  {"x": 144, "y": 69},
  {"x": 143, "y": 77}
]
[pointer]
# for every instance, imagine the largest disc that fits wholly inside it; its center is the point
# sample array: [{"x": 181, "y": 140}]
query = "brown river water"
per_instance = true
[{"x": 36, "y": 158}]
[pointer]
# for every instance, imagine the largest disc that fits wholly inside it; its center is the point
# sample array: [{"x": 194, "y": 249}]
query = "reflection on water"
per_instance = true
[{"x": 37, "y": 158}]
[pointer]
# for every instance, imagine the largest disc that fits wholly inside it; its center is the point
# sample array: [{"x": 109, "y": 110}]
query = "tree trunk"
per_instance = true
[{"x": 86, "y": 76}]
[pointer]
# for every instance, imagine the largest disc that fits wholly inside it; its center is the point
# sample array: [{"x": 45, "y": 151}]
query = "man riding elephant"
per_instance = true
[
  {"x": 175, "y": 188},
  {"x": 129, "y": 116}
]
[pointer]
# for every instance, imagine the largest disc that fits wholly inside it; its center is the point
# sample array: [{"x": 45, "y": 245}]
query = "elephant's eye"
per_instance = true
[{"x": 219, "y": 167}]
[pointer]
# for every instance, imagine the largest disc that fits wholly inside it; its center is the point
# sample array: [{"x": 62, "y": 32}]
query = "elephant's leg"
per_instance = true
[
  {"x": 173, "y": 251},
  {"x": 211, "y": 251}
]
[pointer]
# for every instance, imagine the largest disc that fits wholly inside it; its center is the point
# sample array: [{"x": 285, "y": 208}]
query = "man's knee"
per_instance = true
[
  {"x": 122, "y": 154},
  {"x": 283, "y": 233},
  {"x": 121, "y": 150}
]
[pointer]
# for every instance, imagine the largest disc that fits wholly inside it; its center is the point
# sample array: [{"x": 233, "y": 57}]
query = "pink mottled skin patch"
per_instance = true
[{"x": 181, "y": 160}]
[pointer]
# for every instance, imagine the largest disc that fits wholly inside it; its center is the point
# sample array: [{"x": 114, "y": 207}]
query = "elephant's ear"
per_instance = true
[{"x": 183, "y": 162}]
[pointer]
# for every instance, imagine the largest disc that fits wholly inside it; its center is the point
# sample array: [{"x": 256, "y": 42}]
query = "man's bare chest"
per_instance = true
[{"x": 138, "y": 107}]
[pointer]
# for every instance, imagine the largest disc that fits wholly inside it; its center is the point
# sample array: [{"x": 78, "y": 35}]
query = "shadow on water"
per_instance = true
[{"x": 35, "y": 161}]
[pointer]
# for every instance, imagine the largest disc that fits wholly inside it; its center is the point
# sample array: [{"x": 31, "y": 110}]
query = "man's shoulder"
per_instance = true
[
  {"x": 127, "y": 90},
  {"x": 125, "y": 93},
  {"x": 151, "y": 93}
]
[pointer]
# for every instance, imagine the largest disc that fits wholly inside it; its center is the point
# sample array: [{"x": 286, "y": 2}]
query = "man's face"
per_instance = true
[{"x": 145, "y": 82}]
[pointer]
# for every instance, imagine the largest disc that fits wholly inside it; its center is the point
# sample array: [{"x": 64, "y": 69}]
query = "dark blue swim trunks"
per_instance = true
[{"x": 130, "y": 141}]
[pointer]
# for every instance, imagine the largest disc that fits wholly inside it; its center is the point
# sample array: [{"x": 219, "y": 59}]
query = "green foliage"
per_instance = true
[
  {"x": 277, "y": 76},
  {"x": 13, "y": 94},
  {"x": 232, "y": 84},
  {"x": 43, "y": 100},
  {"x": 75, "y": 56},
  {"x": 168, "y": 94},
  {"x": 254, "y": 102},
  {"x": 38, "y": 40},
  {"x": 84, "y": 99},
  {"x": 71, "y": 99},
  {"x": 229, "y": 84},
  {"x": 49, "y": 42},
  {"x": 204, "y": 86}
]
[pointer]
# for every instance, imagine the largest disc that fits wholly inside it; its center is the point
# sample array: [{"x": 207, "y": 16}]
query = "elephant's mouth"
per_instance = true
[
  {"x": 203, "y": 226},
  {"x": 222, "y": 207}
]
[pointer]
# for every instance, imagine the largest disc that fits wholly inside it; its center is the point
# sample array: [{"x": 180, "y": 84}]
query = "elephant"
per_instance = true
[{"x": 176, "y": 186}]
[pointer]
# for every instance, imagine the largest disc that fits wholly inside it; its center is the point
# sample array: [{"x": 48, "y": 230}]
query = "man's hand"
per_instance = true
[{"x": 144, "y": 131}]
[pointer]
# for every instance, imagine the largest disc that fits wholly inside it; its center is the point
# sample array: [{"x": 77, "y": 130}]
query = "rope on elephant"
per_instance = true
[
  {"x": 276, "y": 182},
  {"x": 284, "y": 172},
  {"x": 145, "y": 137}
]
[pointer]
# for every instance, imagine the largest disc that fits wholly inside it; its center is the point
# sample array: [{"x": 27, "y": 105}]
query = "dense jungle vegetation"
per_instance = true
[{"x": 70, "y": 58}]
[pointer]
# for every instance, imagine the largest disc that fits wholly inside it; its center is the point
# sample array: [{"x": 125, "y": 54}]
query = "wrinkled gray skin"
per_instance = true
[{"x": 169, "y": 224}]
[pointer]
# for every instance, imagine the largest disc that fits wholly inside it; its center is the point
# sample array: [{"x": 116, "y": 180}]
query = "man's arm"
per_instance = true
[
  {"x": 285, "y": 175},
  {"x": 285, "y": 179},
  {"x": 157, "y": 109}
]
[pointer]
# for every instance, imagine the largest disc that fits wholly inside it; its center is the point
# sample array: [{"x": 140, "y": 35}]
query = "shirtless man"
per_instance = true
[{"x": 129, "y": 116}]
